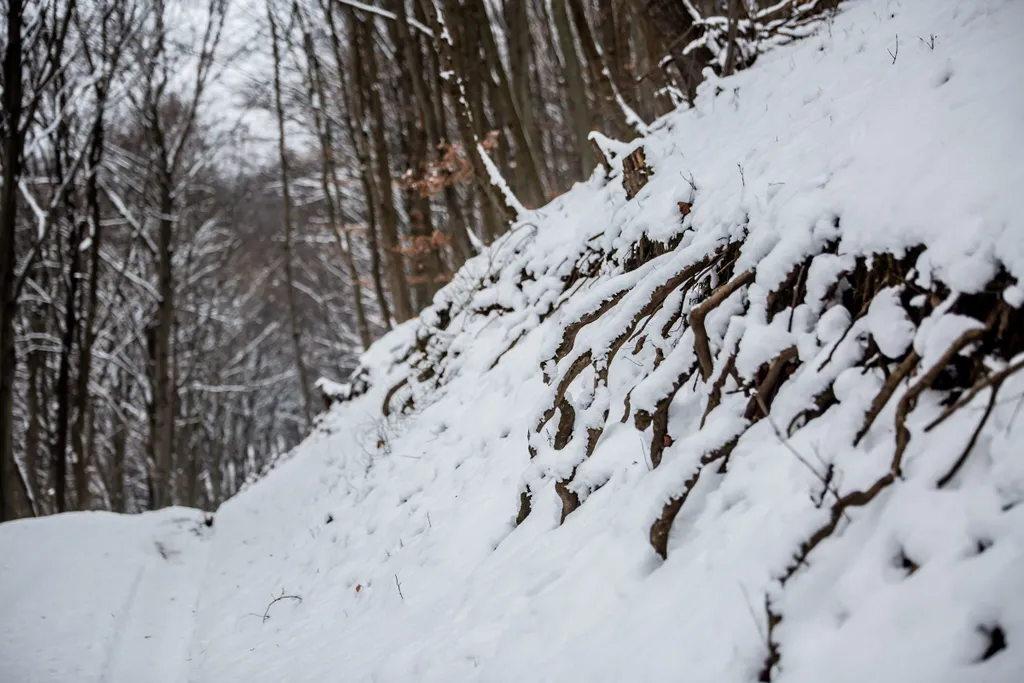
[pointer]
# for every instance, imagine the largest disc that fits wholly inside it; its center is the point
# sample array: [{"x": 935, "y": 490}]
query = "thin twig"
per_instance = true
[
  {"x": 994, "y": 379},
  {"x": 399, "y": 588},
  {"x": 282, "y": 596},
  {"x": 941, "y": 483},
  {"x": 789, "y": 447}
]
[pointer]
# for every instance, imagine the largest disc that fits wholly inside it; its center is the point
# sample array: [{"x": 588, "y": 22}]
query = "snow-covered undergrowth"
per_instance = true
[{"x": 758, "y": 422}]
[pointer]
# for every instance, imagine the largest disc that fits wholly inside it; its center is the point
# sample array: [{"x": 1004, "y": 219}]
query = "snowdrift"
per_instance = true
[{"x": 742, "y": 407}]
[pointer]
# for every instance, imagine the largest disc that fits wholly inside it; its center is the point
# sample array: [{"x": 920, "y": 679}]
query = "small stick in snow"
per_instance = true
[
  {"x": 893, "y": 54},
  {"x": 282, "y": 596},
  {"x": 399, "y": 588}
]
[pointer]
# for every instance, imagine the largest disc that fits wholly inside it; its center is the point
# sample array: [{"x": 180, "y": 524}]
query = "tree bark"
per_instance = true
[
  {"x": 12, "y": 149},
  {"x": 527, "y": 157},
  {"x": 399, "y": 285},
  {"x": 600, "y": 74},
  {"x": 457, "y": 91},
  {"x": 462, "y": 248},
  {"x": 289, "y": 274},
  {"x": 675, "y": 25},
  {"x": 355, "y": 93},
  {"x": 329, "y": 180},
  {"x": 575, "y": 85},
  {"x": 425, "y": 260}
]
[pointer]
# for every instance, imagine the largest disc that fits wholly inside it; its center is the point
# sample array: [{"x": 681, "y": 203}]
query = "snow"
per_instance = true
[
  {"x": 396, "y": 526},
  {"x": 888, "y": 323},
  {"x": 93, "y": 596}
]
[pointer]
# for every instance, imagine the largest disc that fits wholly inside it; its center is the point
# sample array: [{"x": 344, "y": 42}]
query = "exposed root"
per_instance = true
[
  {"x": 571, "y": 374},
  {"x": 570, "y": 500},
  {"x": 663, "y": 525},
  {"x": 948, "y": 476},
  {"x": 861, "y": 498},
  {"x": 993, "y": 380},
  {"x": 646, "y": 250},
  {"x": 571, "y": 330},
  {"x": 768, "y": 387},
  {"x": 701, "y": 344},
  {"x": 790, "y": 291},
  {"x": 850, "y": 500},
  {"x": 524, "y": 507},
  {"x": 773, "y": 655},
  {"x": 386, "y": 408},
  {"x": 508, "y": 348},
  {"x": 715, "y": 397},
  {"x": 659, "y": 420},
  {"x": 822, "y": 402},
  {"x": 902, "y": 371},
  {"x": 565, "y": 425},
  {"x": 909, "y": 399}
]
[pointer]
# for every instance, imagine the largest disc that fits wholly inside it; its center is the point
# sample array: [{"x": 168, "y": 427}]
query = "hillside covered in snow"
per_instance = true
[{"x": 744, "y": 406}]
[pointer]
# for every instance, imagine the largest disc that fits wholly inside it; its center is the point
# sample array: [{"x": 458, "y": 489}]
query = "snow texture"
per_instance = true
[{"x": 395, "y": 521}]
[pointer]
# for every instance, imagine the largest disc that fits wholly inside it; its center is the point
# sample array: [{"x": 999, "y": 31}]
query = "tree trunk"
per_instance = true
[
  {"x": 425, "y": 259},
  {"x": 393, "y": 258},
  {"x": 293, "y": 319},
  {"x": 600, "y": 75},
  {"x": 163, "y": 389},
  {"x": 462, "y": 248},
  {"x": 576, "y": 87},
  {"x": 354, "y": 117},
  {"x": 88, "y": 335},
  {"x": 526, "y": 152},
  {"x": 520, "y": 50},
  {"x": 330, "y": 183},
  {"x": 674, "y": 23},
  {"x": 12, "y": 148},
  {"x": 63, "y": 389}
]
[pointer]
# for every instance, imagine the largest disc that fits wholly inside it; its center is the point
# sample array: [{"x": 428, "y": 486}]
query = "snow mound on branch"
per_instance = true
[{"x": 759, "y": 422}]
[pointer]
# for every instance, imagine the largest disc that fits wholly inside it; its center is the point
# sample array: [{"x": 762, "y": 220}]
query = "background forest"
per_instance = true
[{"x": 208, "y": 205}]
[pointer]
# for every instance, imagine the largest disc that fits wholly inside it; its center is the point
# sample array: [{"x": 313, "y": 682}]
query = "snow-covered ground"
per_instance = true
[{"x": 390, "y": 535}]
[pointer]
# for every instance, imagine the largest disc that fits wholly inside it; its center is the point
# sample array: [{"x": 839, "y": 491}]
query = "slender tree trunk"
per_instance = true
[
  {"x": 520, "y": 69},
  {"x": 329, "y": 180},
  {"x": 600, "y": 74},
  {"x": 576, "y": 87},
  {"x": 354, "y": 117},
  {"x": 119, "y": 447},
  {"x": 163, "y": 390},
  {"x": 425, "y": 260},
  {"x": 675, "y": 25},
  {"x": 399, "y": 285},
  {"x": 33, "y": 363},
  {"x": 12, "y": 149},
  {"x": 293, "y": 319},
  {"x": 88, "y": 334},
  {"x": 468, "y": 52},
  {"x": 526, "y": 153},
  {"x": 730, "y": 52},
  {"x": 462, "y": 248},
  {"x": 463, "y": 115},
  {"x": 63, "y": 389}
]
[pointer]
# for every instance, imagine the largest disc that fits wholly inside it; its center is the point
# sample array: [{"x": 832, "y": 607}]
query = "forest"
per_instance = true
[{"x": 209, "y": 205}]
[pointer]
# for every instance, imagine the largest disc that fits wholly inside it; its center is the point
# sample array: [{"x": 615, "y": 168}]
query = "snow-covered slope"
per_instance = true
[{"x": 563, "y": 469}]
